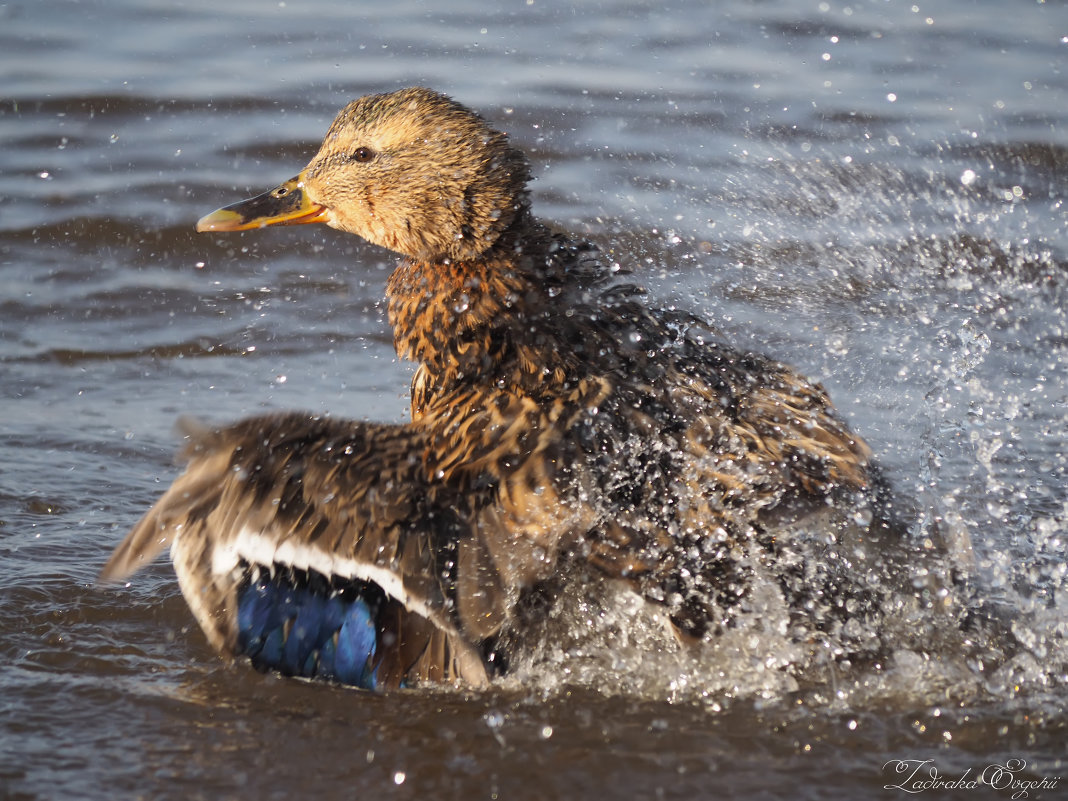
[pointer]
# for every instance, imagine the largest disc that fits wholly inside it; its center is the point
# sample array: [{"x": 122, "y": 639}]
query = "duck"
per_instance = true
[{"x": 561, "y": 424}]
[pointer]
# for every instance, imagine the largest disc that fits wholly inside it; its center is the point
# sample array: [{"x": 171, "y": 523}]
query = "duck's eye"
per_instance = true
[{"x": 363, "y": 154}]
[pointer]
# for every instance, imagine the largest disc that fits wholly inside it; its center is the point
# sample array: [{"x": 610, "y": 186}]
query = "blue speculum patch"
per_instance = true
[{"x": 301, "y": 624}]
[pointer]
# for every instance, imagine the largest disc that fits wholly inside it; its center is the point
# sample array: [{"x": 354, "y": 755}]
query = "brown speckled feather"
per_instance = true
[{"x": 297, "y": 490}]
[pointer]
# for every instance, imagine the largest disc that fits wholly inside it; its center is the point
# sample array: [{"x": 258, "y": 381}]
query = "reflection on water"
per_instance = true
[{"x": 873, "y": 192}]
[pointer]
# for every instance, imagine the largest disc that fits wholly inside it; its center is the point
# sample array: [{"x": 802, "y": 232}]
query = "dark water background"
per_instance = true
[{"x": 873, "y": 191}]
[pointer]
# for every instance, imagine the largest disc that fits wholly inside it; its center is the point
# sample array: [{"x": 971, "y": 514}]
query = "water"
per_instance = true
[{"x": 874, "y": 192}]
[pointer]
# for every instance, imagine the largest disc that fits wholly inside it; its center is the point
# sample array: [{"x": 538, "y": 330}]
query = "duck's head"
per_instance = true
[{"x": 412, "y": 171}]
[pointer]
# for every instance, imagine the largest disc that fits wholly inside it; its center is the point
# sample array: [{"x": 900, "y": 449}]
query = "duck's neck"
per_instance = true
[{"x": 467, "y": 320}]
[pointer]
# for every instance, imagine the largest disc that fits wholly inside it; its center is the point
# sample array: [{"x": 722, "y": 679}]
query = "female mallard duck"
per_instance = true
[{"x": 558, "y": 424}]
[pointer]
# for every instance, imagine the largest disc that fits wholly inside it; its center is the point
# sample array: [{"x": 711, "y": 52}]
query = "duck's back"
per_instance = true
[{"x": 577, "y": 419}]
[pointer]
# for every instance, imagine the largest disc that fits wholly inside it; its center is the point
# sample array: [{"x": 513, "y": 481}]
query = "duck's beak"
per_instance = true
[{"x": 287, "y": 204}]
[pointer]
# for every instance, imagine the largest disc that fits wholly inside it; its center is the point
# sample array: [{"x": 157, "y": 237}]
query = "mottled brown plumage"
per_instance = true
[{"x": 556, "y": 420}]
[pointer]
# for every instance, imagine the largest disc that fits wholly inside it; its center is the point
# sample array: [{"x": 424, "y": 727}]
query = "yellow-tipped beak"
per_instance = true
[{"x": 287, "y": 204}]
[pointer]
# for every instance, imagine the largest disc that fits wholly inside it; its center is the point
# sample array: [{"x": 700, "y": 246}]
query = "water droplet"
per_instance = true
[{"x": 399, "y": 777}]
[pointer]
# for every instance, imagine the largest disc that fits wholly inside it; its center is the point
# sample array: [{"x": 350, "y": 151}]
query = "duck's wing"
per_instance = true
[
  {"x": 295, "y": 538},
  {"x": 714, "y": 464}
]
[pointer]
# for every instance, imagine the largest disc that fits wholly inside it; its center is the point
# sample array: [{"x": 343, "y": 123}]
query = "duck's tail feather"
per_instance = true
[{"x": 156, "y": 530}]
